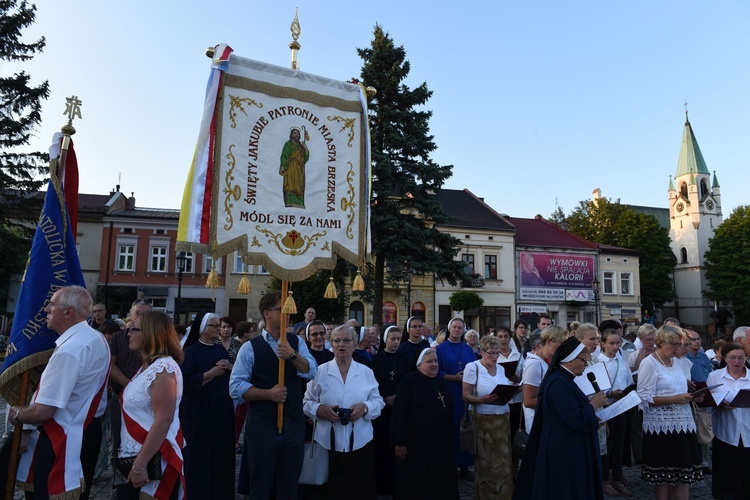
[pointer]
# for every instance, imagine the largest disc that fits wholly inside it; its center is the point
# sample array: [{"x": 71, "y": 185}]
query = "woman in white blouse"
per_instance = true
[
  {"x": 344, "y": 399},
  {"x": 493, "y": 479},
  {"x": 671, "y": 455},
  {"x": 508, "y": 355},
  {"x": 731, "y": 443},
  {"x": 621, "y": 378}
]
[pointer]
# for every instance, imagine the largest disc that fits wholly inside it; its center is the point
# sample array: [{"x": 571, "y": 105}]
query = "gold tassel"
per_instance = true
[
  {"x": 244, "y": 287},
  {"x": 213, "y": 280},
  {"x": 359, "y": 283},
  {"x": 290, "y": 306},
  {"x": 330, "y": 290}
]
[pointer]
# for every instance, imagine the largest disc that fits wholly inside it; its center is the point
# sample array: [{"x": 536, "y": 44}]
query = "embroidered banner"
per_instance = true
[{"x": 281, "y": 170}]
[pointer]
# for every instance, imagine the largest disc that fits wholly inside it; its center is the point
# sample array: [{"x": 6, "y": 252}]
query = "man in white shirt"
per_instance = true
[{"x": 68, "y": 404}]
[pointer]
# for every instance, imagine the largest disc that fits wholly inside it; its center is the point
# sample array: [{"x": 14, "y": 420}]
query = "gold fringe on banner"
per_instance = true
[
  {"x": 244, "y": 287},
  {"x": 290, "y": 306},
  {"x": 330, "y": 290},
  {"x": 359, "y": 283}
]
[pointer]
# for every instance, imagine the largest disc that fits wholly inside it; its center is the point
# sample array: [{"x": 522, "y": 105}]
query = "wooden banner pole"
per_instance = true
[
  {"x": 282, "y": 338},
  {"x": 15, "y": 450}
]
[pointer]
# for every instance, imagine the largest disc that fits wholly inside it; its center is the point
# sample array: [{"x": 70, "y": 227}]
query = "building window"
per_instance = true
[
  {"x": 261, "y": 270},
  {"x": 490, "y": 267},
  {"x": 683, "y": 255},
  {"x": 126, "y": 258},
  {"x": 469, "y": 259},
  {"x": 158, "y": 259},
  {"x": 239, "y": 266},
  {"x": 357, "y": 312},
  {"x": 189, "y": 263},
  {"x": 609, "y": 283},
  {"x": 208, "y": 263},
  {"x": 626, "y": 284}
]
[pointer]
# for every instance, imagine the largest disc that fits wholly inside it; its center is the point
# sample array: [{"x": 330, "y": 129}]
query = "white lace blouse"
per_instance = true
[
  {"x": 137, "y": 402},
  {"x": 656, "y": 380}
]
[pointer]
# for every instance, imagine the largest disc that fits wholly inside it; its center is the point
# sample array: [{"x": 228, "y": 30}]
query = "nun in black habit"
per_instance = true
[{"x": 562, "y": 456}]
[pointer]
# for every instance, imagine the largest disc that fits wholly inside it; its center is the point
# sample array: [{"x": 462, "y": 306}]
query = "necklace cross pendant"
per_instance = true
[
  {"x": 460, "y": 364},
  {"x": 441, "y": 398},
  {"x": 392, "y": 374}
]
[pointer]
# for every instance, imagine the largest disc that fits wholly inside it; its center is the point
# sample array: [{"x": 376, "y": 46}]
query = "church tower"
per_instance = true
[{"x": 694, "y": 213}]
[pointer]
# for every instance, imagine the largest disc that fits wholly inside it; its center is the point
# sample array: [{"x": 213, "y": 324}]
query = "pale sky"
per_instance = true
[{"x": 534, "y": 101}]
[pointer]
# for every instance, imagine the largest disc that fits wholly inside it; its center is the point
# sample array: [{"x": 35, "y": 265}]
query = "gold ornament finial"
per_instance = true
[
  {"x": 296, "y": 30},
  {"x": 72, "y": 110}
]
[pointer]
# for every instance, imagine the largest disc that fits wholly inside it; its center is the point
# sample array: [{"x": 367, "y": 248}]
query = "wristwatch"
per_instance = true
[{"x": 293, "y": 356}]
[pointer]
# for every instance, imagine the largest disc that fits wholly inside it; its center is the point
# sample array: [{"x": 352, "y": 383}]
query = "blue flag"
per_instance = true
[{"x": 53, "y": 263}]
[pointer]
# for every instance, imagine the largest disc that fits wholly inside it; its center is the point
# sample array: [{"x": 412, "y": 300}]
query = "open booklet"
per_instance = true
[
  {"x": 504, "y": 393},
  {"x": 618, "y": 407}
]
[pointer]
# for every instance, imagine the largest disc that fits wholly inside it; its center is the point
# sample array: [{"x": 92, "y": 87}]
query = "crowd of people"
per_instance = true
[{"x": 385, "y": 404}]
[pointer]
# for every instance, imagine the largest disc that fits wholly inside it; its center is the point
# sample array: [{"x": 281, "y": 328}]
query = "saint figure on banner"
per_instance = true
[{"x": 294, "y": 156}]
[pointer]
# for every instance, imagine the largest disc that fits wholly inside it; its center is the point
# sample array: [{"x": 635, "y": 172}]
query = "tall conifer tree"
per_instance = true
[
  {"x": 404, "y": 211},
  {"x": 21, "y": 173}
]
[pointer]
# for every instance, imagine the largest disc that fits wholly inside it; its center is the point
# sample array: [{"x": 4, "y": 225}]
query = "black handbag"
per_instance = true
[
  {"x": 123, "y": 466},
  {"x": 520, "y": 440}
]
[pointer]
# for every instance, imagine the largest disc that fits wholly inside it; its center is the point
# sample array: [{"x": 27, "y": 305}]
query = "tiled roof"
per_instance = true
[
  {"x": 148, "y": 213},
  {"x": 539, "y": 232},
  {"x": 469, "y": 211},
  {"x": 543, "y": 233},
  {"x": 661, "y": 214}
]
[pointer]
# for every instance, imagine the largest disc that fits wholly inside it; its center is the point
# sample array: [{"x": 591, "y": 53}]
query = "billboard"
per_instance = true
[{"x": 556, "y": 276}]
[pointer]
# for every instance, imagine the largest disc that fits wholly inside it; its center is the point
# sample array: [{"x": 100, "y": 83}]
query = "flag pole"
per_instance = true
[
  {"x": 294, "y": 46},
  {"x": 15, "y": 454}
]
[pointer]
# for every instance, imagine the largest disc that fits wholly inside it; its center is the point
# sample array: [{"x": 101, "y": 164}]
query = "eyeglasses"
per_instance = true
[
  {"x": 492, "y": 353},
  {"x": 317, "y": 334},
  {"x": 675, "y": 344},
  {"x": 341, "y": 341},
  {"x": 134, "y": 329},
  {"x": 212, "y": 325},
  {"x": 732, "y": 359},
  {"x": 583, "y": 359}
]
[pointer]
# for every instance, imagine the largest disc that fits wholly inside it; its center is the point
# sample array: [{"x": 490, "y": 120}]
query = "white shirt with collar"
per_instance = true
[
  {"x": 329, "y": 388},
  {"x": 730, "y": 425}
]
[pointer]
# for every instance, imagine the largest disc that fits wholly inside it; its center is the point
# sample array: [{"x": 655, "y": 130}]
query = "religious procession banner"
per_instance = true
[
  {"x": 53, "y": 263},
  {"x": 281, "y": 171}
]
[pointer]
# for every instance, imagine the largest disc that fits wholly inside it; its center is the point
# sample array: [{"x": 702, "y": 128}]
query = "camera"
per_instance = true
[{"x": 344, "y": 414}]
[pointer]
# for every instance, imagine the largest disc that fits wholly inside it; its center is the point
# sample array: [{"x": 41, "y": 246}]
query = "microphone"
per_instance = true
[{"x": 592, "y": 379}]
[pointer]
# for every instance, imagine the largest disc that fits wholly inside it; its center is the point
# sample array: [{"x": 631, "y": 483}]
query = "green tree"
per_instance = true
[
  {"x": 20, "y": 113},
  {"x": 613, "y": 223},
  {"x": 404, "y": 210},
  {"x": 464, "y": 300},
  {"x": 310, "y": 293},
  {"x": 727, "y": 264}
]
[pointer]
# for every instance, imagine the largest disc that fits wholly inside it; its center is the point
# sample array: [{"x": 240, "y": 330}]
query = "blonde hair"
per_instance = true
[
  {"x": 666, "y": 333},
  {"x": 582, "y": 328},
  {"x": 554, "y": 333},
  {"x": 158, "y": 337}
]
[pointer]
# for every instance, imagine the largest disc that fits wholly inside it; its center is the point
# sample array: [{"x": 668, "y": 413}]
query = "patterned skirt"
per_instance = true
[
  {"x": 673, "y": 458},
  {"x": 492, "y": 467}
]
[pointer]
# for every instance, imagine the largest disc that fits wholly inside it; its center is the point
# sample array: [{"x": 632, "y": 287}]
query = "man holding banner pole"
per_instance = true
[{"x": 274, "y": 459}]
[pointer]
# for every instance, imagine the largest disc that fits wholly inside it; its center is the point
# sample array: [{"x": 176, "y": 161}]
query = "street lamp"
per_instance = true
[
  {"x": 181, "y": 259},
  {"x": 595, "y": 285}
]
